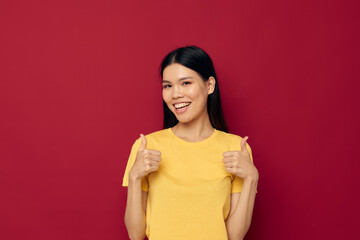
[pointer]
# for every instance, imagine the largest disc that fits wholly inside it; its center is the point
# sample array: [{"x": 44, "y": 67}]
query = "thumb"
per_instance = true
[
  {"x": 243, "y": 143},
  {"x": 143, "y": 142}
]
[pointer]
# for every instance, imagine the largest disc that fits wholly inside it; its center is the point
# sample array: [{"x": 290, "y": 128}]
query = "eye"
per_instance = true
[
  {"x": 167, "y": 85},
  {"x": 187, "y": 83}
]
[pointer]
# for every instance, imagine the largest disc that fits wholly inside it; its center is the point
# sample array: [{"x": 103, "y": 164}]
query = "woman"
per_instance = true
[{"x": 193, "y": 179}]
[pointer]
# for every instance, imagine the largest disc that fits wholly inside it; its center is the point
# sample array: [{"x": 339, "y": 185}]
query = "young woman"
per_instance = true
[{"x": 192, "y": 179}]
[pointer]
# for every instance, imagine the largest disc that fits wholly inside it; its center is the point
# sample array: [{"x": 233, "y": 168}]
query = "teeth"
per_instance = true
[{"x": 181, "y": 105}]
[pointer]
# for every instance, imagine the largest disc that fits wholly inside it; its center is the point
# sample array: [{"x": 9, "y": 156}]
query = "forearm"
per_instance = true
[
  {"x": 134, "y": 213},
  {"x": 239, "y": 222}
]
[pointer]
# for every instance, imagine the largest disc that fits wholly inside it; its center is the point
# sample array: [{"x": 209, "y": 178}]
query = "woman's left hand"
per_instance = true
[{"x": 239, "y": 162}]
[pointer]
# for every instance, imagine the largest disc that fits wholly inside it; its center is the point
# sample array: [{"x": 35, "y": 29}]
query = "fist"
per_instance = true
[
  {"x": 147, "y": 160},
  {"x": 239, "y": 162}
]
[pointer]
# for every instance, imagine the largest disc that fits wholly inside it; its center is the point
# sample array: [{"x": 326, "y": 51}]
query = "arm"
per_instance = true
[
  {"x": 241, "y": 209},
  {"x": 146, "y": 161},
  {"x": 240, "y": 164},
  {"x": 135, "y": 210}
]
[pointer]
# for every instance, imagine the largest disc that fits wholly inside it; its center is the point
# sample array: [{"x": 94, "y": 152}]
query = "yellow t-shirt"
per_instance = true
[{"x": 189, "y": 194}]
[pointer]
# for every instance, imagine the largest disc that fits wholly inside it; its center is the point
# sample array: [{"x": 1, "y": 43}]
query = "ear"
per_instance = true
[{"x": 210, "y": 84}]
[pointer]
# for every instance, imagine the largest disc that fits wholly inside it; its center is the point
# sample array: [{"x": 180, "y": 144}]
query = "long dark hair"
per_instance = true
[{"x": 198, "y": 60}]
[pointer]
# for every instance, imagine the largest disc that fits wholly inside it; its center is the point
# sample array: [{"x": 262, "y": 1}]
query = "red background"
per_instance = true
[{"x": 79, "y": 82}]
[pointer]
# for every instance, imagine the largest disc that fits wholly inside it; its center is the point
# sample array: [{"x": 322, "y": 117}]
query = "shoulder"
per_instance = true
[
  {"x": 154, "y": 138},
  {"x": 229, "y": 136},
  {"x": 232, "y": 139},
  {"x": 157, "y": 134}
]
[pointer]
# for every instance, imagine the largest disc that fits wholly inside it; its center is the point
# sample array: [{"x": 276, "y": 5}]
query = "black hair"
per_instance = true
[{"x": 198, "y": 60}]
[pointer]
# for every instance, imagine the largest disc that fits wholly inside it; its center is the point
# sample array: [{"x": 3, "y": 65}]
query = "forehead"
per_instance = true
[{"x": 177, "y": 71}]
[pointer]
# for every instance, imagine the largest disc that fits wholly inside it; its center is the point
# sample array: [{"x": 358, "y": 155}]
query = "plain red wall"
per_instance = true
[{"x": 79, "y": 82}]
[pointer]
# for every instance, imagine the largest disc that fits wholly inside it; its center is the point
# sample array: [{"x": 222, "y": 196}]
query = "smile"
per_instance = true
[{"x": 181, "y": 107}]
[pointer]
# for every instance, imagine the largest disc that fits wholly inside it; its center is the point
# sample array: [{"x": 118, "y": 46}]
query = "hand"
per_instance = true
[
  {"x": 147, "y": 160},
  {"x": 239, "y": 162}
]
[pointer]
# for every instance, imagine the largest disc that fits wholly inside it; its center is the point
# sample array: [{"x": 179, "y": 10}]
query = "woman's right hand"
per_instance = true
[{"x": 147, "y": 161}]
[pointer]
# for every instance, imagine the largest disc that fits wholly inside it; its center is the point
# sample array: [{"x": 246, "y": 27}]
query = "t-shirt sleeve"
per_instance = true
[
  {"x": 237, "y": 182},
  {"x": 144, "y": 181}
]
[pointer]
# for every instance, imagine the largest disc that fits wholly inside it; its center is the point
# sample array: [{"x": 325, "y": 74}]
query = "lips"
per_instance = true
[{"x": 181, "y": 105}]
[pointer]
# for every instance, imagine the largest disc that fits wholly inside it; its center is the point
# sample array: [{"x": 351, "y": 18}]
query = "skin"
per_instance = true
[{"x": 181, "y": 84}]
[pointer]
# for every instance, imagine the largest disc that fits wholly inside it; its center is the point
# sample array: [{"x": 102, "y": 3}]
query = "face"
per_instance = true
[{"x": 185, "y": 92}]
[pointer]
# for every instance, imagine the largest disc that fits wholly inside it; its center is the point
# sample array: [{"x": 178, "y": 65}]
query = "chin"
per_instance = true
[{"x": 184, "y": 120}]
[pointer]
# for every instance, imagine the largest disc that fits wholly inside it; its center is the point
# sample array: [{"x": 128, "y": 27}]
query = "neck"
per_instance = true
[{"x": 196, "y": 130}]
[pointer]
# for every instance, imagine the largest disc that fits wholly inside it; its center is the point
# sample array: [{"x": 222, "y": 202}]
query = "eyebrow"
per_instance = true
[{"x": 180, "y": 79}]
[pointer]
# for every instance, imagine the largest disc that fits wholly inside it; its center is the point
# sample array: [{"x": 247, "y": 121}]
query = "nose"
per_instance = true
[{"x": 177, "y": 92}]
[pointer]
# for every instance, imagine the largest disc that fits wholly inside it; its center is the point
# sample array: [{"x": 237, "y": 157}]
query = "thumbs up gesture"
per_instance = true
[
  {"x": 239, "y": 162},
  {"x": 147, "y": 160}
]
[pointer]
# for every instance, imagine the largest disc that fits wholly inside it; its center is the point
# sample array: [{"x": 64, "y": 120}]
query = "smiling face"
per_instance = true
[{"x": 185, "y": 92}]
